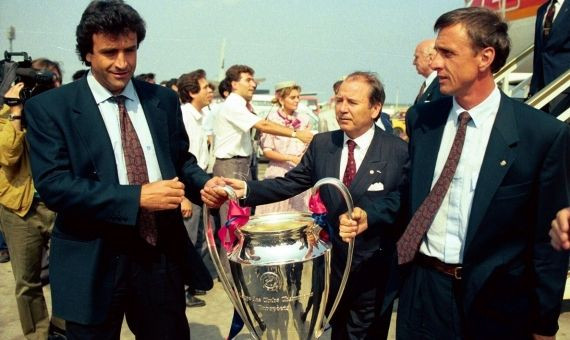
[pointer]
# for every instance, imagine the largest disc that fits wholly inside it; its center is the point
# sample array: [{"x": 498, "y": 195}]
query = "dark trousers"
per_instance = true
[
  {"x": 428, "y": 307},
  {"x": 359, "y": 314},
  {"x": 150, "y": 294},
  {"x": 431, "y": 307}
]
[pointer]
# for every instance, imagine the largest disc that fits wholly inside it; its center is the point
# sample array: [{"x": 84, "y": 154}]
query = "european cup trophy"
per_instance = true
[{"x": 278, "y": 277}]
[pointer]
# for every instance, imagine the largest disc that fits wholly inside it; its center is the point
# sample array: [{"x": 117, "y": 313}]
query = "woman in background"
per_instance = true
[{"x": 284, "y": 153}]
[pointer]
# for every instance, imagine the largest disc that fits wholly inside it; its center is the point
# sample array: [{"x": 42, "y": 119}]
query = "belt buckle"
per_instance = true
[{"x": 457, "y": 271}]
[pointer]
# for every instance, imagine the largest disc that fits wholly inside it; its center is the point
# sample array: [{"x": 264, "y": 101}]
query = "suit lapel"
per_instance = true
[
  {"x": 92, "y": 130},
  {"x": 156, "y": 119},
  {"x": 559, "y": 26},
  {"x": 499, "y": 156},
  {"x": 332, "y": 168},
  {"x": 372, "y": 166},
  {"x": 426, "y": 96},
  {"x": 425, "y": 150}
]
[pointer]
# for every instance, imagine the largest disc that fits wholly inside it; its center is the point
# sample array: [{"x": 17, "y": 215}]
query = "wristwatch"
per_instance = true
[{"x": 13, "y": 117}]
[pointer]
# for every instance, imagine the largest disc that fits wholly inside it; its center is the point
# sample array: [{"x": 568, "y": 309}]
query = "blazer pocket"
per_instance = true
[{"x": 513, "y": 191}]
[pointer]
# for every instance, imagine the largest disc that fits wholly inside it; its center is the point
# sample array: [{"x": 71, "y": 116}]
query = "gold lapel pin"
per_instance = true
[{"x": 503, "y": 162}]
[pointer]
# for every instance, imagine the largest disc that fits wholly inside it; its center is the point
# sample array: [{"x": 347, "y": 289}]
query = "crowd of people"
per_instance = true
[{"x": 464, "y": 218}]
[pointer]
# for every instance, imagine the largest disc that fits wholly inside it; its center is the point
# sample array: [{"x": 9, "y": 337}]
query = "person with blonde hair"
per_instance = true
[{"x": 284, "y": 153}]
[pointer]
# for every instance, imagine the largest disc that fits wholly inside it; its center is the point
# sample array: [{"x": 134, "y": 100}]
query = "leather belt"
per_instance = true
[
  {"x": 234, "y": 157},
  {"x": 453, "y": 270}
]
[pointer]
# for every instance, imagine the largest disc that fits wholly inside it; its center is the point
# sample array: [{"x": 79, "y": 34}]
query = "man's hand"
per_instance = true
[
  {"x": 186, "y": 208},
  {"x": 236, "y": 184},
  {"x": 14, "y": 92},
  {"x": 349, "y": 228},
  {"x": 162, "y": 195},
  {"x": 305, "y": 136},
  {"x": 560, "y": 229},
  {"x": 212, "y": 193}
]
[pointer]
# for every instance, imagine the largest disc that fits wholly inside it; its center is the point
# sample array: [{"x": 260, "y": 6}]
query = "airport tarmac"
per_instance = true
[{"x": 209, "y": 322}]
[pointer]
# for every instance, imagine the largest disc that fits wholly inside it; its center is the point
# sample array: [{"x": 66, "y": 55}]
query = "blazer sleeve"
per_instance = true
[
  {"x": 550, "y": 266},
  {"x": 60, "y": 189},
  {"x": 295, "y": 181}
]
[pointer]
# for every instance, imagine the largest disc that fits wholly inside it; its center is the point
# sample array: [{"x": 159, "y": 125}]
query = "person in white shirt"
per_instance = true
[
  {"x": 195, "y": 94},
  {"x": 232, "y": 128}
]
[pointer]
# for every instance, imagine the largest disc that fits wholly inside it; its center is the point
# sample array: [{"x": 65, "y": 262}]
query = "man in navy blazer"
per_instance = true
[
  {"x": 484, "y": 269},
  {"x": 102, "y": 265},
  {"x": 552, "y": 52},
  {"x": 381, "y": 158},
  {"x": 423, "y": 55}
]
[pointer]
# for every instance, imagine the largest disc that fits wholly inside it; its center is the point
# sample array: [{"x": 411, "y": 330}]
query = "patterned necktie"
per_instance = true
[
  {"x": 350, "y": 170},
  {"x": 136, "y": 169},
  {"x": 548, "y": 20},
  {"x": 409, "y": 243}
]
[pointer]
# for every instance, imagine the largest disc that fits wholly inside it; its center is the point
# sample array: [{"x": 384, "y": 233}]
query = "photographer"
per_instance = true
[{"x": 24, "y": 218}]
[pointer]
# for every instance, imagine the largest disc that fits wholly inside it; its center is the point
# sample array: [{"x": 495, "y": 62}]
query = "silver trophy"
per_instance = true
[{"x": 278, "y": 276}]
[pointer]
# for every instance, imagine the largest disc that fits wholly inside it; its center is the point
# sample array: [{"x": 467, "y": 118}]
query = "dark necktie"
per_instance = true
[
  {"x": 548, "y": 20},
  {"x": 350, "y": 170},
  {"x": 410, "y": 241},
  {"x": 136, "y": 169}
]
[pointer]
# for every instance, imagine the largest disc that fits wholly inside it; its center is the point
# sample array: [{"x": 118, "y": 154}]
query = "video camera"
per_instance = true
[{"x": 35, "y": 82}]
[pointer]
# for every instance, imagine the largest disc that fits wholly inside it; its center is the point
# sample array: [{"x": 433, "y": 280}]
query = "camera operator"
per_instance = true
[{"x": 24, "y": 218}]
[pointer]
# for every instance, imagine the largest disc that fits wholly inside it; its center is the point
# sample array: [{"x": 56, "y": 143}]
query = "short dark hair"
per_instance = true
[
  {"x": 189, "y": 83},
  {"x": 169, "y": 83},
  {"x": 42, "y": 64},
  {"x": 377, "y": 94},
  {"x": 224, "y": 86},
  {"x": 484, "y": 27},
  {"x": 112, "y": 17},
  {"x": 235, "y": 71},
  {"x": 79, "y": 74}
]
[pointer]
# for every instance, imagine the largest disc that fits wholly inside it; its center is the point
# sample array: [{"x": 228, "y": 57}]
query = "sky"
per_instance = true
[{"x": 314, "y": 42}]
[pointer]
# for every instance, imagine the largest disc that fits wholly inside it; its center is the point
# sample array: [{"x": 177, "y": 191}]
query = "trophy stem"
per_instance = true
[
  {"x": 228, "y": 285},
  {"x": 350, "y": 207}
]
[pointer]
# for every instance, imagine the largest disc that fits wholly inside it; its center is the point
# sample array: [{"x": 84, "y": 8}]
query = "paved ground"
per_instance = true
[{"x": 209, "y": 322}]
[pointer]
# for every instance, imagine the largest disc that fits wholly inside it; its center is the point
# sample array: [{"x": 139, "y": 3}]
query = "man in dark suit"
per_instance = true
[
  {"x": 482, "y": 193},
  {"x": 551, "y": 51},
  {"x": 423, "y": 55},
  {"x": 484, "y": 268},
  {"x": 110, "y": 155},
  {"x": 378, "y": 161}
]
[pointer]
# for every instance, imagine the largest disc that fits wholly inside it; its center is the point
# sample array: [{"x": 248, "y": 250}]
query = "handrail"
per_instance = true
[
  {"x": 513, "y": 64},
  {"x": 550, "y": 92}
]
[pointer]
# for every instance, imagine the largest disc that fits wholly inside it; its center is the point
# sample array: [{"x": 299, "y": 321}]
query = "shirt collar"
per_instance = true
[
  {"x": 479, "y": 113},
  {"x": 101, "y": 94},
  {"x": 430, "y": 78},
  {"x": 193, "y": 111},
  {"x": 363, "y": 141},
  {"x": 236, "y": 99}
]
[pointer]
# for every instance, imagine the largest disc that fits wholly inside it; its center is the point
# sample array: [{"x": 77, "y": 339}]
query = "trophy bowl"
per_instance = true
[{"x": 277, "y": 276}]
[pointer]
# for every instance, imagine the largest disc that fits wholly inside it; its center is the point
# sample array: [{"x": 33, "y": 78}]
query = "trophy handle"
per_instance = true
[
  {"x": 350, "y": 206},
  {"x": 228, "y": 284}
]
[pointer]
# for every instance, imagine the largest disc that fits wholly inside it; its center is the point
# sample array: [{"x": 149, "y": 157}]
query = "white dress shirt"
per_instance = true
[
  {"x": 232, "y": 128},
  {"x": 193, "y": 122},
  {"x": 362, "y": 144},
  {"x": 110, "y": 113},
  {"x": 445, "y": 238}
]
